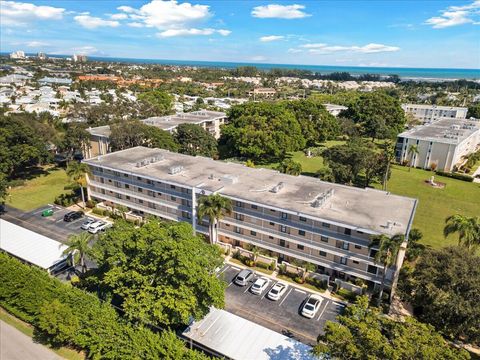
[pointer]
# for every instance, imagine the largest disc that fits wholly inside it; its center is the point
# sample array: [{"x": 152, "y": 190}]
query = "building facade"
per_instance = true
[
  {"x": 444, "y": 143},
  {"x": 430, "y": 113},
  {"x": 290, "y": 217}
]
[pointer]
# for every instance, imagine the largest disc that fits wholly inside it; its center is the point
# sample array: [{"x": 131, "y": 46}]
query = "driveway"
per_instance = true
[
  {"x": 15, "y": 345},
  {"x": 283, "y": 315}
]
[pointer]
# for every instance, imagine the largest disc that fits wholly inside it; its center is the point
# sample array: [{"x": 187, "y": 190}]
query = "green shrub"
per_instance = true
[
  {"x": 90, "y": 204},
  {"x": 70, "y": 316},
  {"x": 66, "y": 199},
  {"x": 16, "y": 183},
  {"x": 347, "y": 294},
  {"x": 262, "y": 265},
  {"x": 271, "y": 266},
  {"x": 318, "y": 283},
  {"x": 457, "y": 176},
  {"x": 98, "y": 211},
  {"x": 298, "y": 280}
]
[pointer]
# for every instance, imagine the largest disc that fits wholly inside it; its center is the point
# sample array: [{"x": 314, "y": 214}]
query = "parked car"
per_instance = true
[
  {"x": 93, "y": 228},
  {"x": 277, "y": 291},
  {"x": 105, "y": 227},
  {"x": 86, "y": 224},
  {"x": 47, "y": 212},
  {"x": 311, "y": 306},
  {"x": 259, "y": 285},
  {"x": 102, "y": 227},
  {"x": 72, "y": 215},
  {"x": 243, "y": 277}
]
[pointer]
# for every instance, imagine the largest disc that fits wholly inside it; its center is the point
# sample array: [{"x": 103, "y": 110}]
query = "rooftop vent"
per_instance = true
[
  {"x": 322, "y": 198},
  {"x": 149, "y": 160},
  {"x": 277, "y": 187},
  {"x": 229, "y": 179},
  {"x": 175, "y": 169}
]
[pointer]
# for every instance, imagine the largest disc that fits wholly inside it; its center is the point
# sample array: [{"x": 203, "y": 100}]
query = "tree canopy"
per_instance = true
[
  {"x": 157, "y": 102},
  {"x": 194, "y": 140},
  {"x": 363, "y": 332},
  {"x": 444, "y": 288},
  {"x": 160, "y": 272}
]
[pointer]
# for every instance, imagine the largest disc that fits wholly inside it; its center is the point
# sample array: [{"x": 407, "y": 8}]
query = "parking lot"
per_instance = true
[
  {"x": 283, "y": 315},
  {"x": 51, "y": 226}
]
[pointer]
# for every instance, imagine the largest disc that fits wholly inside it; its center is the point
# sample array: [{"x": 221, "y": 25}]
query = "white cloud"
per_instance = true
[
  {"x": 20, "y": 14},
  {"x": 279, "y": 11},
  {"x": 258, "y": 58},
  {"x": 35, "y": 44},
  {"x": 119, "y": 16},
  {"x": 85, "y": 50},
  {"x": 294, "y": 51},
  {"x": 135, "y": 24},
  {"x": 456, "y": 15},
  {"x": 271, "y": 38},
  {"x": 320, "y": 48},
  {"x": 191, "y": 32},
  {"x": 92, "y": 22}
]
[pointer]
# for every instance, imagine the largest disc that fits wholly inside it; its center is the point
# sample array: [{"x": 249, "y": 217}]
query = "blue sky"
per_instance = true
[{"x": 407, "y": 33}]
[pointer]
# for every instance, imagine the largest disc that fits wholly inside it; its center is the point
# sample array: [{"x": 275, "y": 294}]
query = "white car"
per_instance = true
[
  {"x": 311, "y": 306},
  {"x": 86, "y": 224},
  {"x": 277, "y": 291},
  {"x": 95, "y": 227},
  {"x": 259, "y": 285}
]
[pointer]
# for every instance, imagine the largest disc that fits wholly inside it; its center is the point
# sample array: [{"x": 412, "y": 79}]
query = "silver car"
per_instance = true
[
  {"x": 277, "y": 291},
  {"x": 311, "y": 306},
  {"x": 86, "y": 224},
  {"x": 243, "y": 277}
]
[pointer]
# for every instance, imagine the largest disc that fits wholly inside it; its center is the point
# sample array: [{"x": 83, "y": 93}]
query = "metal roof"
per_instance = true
[
  {"x": 237, "y": 338},
  {"x": 30, "y": 246}
]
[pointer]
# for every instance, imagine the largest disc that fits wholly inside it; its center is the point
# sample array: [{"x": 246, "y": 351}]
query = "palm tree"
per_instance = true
[
  {"x": 77, "y": 171},
  {"x": 468, "y": 229},
  {"x": 78, "y": 247},
  {"x": 388, "y": 248},
  {"x": 412, "y": 152},
  {"x": 213, "y": 206}
]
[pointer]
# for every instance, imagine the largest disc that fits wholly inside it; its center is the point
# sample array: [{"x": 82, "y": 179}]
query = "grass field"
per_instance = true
[
  {"x": 39, "y": 190},
  {"x": 28, "y": 330},
  {"x": 435, "y": 205}
]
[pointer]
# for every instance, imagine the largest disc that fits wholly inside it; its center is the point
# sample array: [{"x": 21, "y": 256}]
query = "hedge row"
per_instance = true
[
  {"x": 457, "y": 176},
  {"x": 80, "y": 319}
]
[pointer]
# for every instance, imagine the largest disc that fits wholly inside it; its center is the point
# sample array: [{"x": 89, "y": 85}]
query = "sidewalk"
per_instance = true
[{"x": 326, "y": 294}]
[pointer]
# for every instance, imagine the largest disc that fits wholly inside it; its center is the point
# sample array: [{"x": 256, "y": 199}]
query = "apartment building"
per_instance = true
[
  {"x": 263, "y": 92},
  {"x": 208, "y": 120},
  {"x": 430, "y": 113},
  {"x": 334, "y": 109},
  {"x": 291, "y": 217},
  {"x": 444, "y": 143}
]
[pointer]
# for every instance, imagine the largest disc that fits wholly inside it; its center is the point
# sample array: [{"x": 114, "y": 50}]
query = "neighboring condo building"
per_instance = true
[
  {"x": 79, "y": 58},
  {"x": 292, "y": 217},
  {"x": 208, "y": 120},
  {"x": 335, "y": 110},
  {"x": 19, "y": 54},
  {"x": 444, "y": 143},
  {"x": 429, "y": 113}
]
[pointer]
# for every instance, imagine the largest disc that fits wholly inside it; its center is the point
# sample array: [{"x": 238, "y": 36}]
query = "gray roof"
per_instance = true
[
  {"x": 444, "y": 130},
  {"x": 368, "y": 210},
  {"x": 237, "y": 338},
  {"x": 100, "y": 131},
  {"x": 433, "y": 107}
]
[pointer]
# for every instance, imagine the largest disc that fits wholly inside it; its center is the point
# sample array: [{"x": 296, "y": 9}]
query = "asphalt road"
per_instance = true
[
  {"x": 15, "y": 345},
  {"x": 282, "y": 316}
]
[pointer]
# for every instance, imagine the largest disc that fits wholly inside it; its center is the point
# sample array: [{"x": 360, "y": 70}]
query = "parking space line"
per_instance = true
[
  {"x": 321, "y": 313},
  {"x": 231, "y": 282},
  {"x": 267, "y": 290},
  {"x": 223, "y": 270},
  {"x": 248, "y": 287},
  {"x": 235, "y": 268},
  {"x": 300, "y": 291},
  {"x": 57, "y": 221},
  {"x": 285, "y": 297}
]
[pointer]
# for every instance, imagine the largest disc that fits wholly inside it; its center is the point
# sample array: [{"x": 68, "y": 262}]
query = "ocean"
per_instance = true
[{"x": 403, "y": 72}]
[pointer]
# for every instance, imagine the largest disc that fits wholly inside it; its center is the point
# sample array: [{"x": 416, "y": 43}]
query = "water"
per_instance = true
[{"x": 404, "y": 73}]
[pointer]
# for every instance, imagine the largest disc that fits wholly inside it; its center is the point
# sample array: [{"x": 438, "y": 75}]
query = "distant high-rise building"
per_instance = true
[
  {"x": 19, "y": 54},
  {"x": 79, "y": 58},
  {"x": 41, "y": 56}
]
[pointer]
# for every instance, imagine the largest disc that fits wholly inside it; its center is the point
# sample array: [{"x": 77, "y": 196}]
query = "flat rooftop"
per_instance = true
[
  {"x": 101, "y": 131},
  {"x": 444, "y": 130},
  {"x": 367, "y": 210},
  {"x": 435, "y": 107},
  {"x": 237, "y": 338}
]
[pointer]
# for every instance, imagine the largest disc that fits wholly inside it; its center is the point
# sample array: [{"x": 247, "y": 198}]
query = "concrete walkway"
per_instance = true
[{"x": 15, "y": 345}]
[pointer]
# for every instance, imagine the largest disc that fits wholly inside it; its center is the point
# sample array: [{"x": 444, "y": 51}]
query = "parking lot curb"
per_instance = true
[{"x": 325, "y": 294}]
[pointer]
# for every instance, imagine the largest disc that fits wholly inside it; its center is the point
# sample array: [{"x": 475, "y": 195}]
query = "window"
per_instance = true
[
  {"x": 282, "y": 243},
  {"x": 284, "y": 215},
  {"x": 270, "y": 237},
  {"x": 173, "y": 198},
  {"x": 326, "y": 225},
  {"x": 301, "y": 232},
  {"x": 172, "y": 187},
  {"x": 126, "y": 175},
  {"x": 238, "y": 230},
  {"x": 149, "y": 182},
  {"x": 116, "y": 173},
  {"x": 238, "y": 203},
  {"x": 272, "y": 210},
  {"x": 127, "y": 186},
  {"x": 119, "y": 196},
  {"x": 358, "y": 247},
  {"x": 355, "y": 262},
  {"x": 359, "y": 232},
  {"x": 186, "y": 215},
  {"x": 372, "y": 269},
  {"x": 140, "y": 201},
  {"x": 239, "y": 216},
  {"x": 253, "y": 233},
  {"x": 324, "y": 238},
  {"x": 343, "y": 261},
  {"x": 128, "y": 197},
  {"x": 300, "y": 247},
  {"x": 322, "y": 253},
  {"x": 301, "y": 218},
  {"x": 140, "y": 190},
  {"x": 373, "y": 252},
  {"x": 272, "y": 223},
  {"x": 283, "y": 228},
  {"x": 159, "y": 194},
  {"x": 348, "y": 231},
  {"x": 255, "y": 207},
  {"x": 345, "y": 246},
  {"x": 139, "y": 178}
]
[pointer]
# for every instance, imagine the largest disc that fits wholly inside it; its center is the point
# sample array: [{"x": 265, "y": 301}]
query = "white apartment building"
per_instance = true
[
  {"x": 208, "y": 120},
  {"x": 430, "y": 113},
  {"x": 291, "y": 217},
  {"x": 444, "y": 142}
]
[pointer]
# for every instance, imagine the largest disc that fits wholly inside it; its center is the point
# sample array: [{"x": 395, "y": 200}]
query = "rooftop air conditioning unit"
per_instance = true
[
  {"x": 277, "y": 187},
  {"x": 229, "y": 179},
  {"x": 175, "y": 169}
]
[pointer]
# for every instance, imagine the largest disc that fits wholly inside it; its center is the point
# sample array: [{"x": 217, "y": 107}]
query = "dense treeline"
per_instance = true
[{"x": 69, "y": 316}]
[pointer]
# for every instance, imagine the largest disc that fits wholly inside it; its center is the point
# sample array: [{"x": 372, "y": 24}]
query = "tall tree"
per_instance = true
[
  {"x": 412, "y": 153},
  {"x": 77, "y": 172},
  {"x": 194, "y": 140},
  {"x": 213, "y": 207},
  {"x": 157, "y": 102},
  {"x": 78, "y": 248},
  {"x": 467, "y": 228},
  {"x": 290, "y": 167},
  {"x": 387, "y": 250},
  {"x": 159, "y": 273},
  {"x": 3, "y": 188},
  {"x": 76, "y": 138}
]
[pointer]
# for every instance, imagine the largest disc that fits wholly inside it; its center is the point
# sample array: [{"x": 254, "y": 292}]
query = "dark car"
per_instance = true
[{"x": 73, "y": 215}]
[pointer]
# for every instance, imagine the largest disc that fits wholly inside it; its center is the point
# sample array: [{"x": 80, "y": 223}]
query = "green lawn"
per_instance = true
[
  {"x": 39, "y": 191},
  {"x": 435, "y": 205}
]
